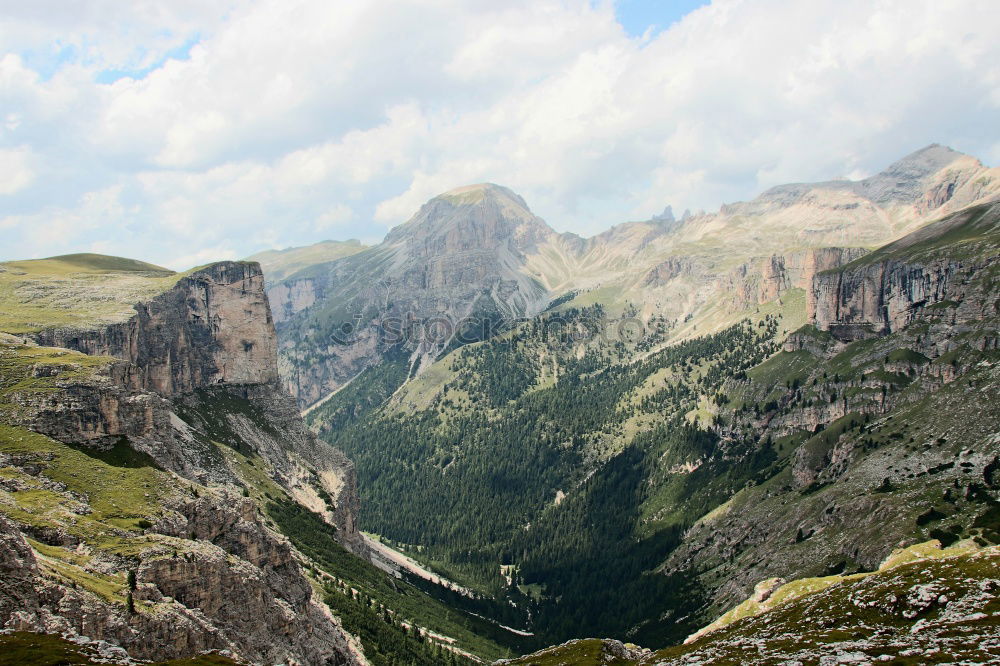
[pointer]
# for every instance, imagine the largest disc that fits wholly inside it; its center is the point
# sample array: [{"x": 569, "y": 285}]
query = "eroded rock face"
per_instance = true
[
  {"x": 479, "y": 251},
  {"x": 18, "y": 570},
  {"x": 885, "y": 293},
  {"x": 878, "y": 298},
  {"x": 196, "y": 374},
  {"x": 305, "y": 466},
  {"x": 287, "y": 299},
  {"x": 237, "y": 588},
  {"x": 213, "y": 327},
  {"x": 668, "y": 270},
  {"x": 767, "y": 279},
  {"x": 212, "y": 332}
]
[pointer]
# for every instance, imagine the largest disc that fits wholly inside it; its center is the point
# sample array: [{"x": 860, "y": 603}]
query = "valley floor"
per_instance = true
[{"x": 393, "y": 558}]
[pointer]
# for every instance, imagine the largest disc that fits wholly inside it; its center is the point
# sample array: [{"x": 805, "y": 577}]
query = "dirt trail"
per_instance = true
[{"x": 411, "y": 565}]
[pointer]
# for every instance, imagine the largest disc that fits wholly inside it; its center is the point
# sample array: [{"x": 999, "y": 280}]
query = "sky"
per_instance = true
[{"x": 186, "y": 131}]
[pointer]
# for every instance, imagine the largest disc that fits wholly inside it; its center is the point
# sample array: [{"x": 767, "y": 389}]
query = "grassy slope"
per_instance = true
[
  {"x": 958, "y": 236},
  {"x": 123, "y": 492},
  {"x": 280, "y": 264},
  {"x": 939, "y": 608},
  {"x": 79, "y": 290},
  {"x": 23, "y": 648}
]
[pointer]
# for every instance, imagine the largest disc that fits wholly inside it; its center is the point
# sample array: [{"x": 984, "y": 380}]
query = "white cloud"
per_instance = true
[
  {"x": 200, "y": 258},
  {"x": 336, "y": 218},
  {"x": 54, "y": 230},
  {"x": 16, "y": 172},
  {"x": 287, "y": 122}
]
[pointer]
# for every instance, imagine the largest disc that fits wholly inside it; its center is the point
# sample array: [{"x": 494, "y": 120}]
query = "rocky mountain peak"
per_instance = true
[
  {"x": 924, "y": 162},
  {"x": 473, "y": 217},
  {"x": 904, "y": 181},
  {"x": 480, "y": 192},
  {"x": 907, "y": 181}
]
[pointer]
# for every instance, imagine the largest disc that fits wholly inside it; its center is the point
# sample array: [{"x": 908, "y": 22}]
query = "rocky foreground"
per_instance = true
[
  {"x": 137, "y": 461},
  {"x": 924, "y": 606}
]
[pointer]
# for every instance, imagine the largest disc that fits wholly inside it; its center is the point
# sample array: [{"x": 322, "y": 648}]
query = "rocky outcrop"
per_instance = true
[
  {"x": 213, "y": 327},
  {"x": 186, "y": 356},
  {"x": 668, "y": 270},
  {"x": 884, "y": 429},
  {"x": 237, "y": 588},
  {"x": 288, "y": 298},
  {"x": 191, "y": 375},
  {"x": 937, "y": 265},
  {"x": 879, "y": 298},
  {"x": 317, "y": 475},
  {"x": 773, "y": 279},
  {"x": 766, "y": 279}
]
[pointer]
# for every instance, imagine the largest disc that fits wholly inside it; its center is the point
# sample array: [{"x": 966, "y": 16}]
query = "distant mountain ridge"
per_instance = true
[
  {"x": 461, "y": 255},
  {"x": 479, "y": 251},
  {"x": 280, "y": 264}
]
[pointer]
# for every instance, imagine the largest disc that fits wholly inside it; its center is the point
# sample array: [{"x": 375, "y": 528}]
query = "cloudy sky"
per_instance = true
[{"x": 186, "y": 131}]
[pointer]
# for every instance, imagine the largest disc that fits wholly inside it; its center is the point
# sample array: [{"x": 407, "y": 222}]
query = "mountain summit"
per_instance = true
[
  {"x": 461, "y": 257},
  {"x": 469, "y": 218}
]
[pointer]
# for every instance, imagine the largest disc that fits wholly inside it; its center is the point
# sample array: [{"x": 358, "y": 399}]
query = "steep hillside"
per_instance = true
[
  {"x": 886, "y": 290},
  {"x": 599, "y": 478},
  {"x": 135, "y": 452},
  {"x": 888, "y": 435},
  {"x": 714, "y": 267},
  {"x": 923, "y": 606},
  {"x": 150, "y": 468}
]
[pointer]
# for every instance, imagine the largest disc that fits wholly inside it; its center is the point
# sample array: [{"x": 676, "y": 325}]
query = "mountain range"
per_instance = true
[
  {"x": 762, "y": 435},
  {"x": 478, "y": 251}
]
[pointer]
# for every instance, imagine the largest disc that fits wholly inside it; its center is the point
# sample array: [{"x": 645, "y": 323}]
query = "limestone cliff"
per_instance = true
[
  {"x": 170, "y": 556},
  {"x": 213, "y": 327},
  {"x": 211, "y": 330},
  {"x": 884, "y": 292},
  {"x": 766, "y": 279}
]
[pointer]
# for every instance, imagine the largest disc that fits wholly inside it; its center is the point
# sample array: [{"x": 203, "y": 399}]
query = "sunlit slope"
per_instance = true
[{"x": 84, "y": 291}]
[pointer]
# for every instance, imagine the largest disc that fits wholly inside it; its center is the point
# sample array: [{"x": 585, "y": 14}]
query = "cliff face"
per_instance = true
[
  {"x": 879, "y": 298},
  {"x": 213, "y": 327},
  {"x": 212, "y": 330},
  {"x": 766, "y": 279},
  {"x": 889, "y": 405},
  {"x": 183, "y": 399},
  {"x": 235, "y": 587},
  {"x": 886, "y": 291}
]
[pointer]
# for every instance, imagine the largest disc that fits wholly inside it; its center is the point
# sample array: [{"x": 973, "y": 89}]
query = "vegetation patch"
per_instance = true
[
  {"x": 22, "y": 648},
  {"x": 120, "y": 493}
]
